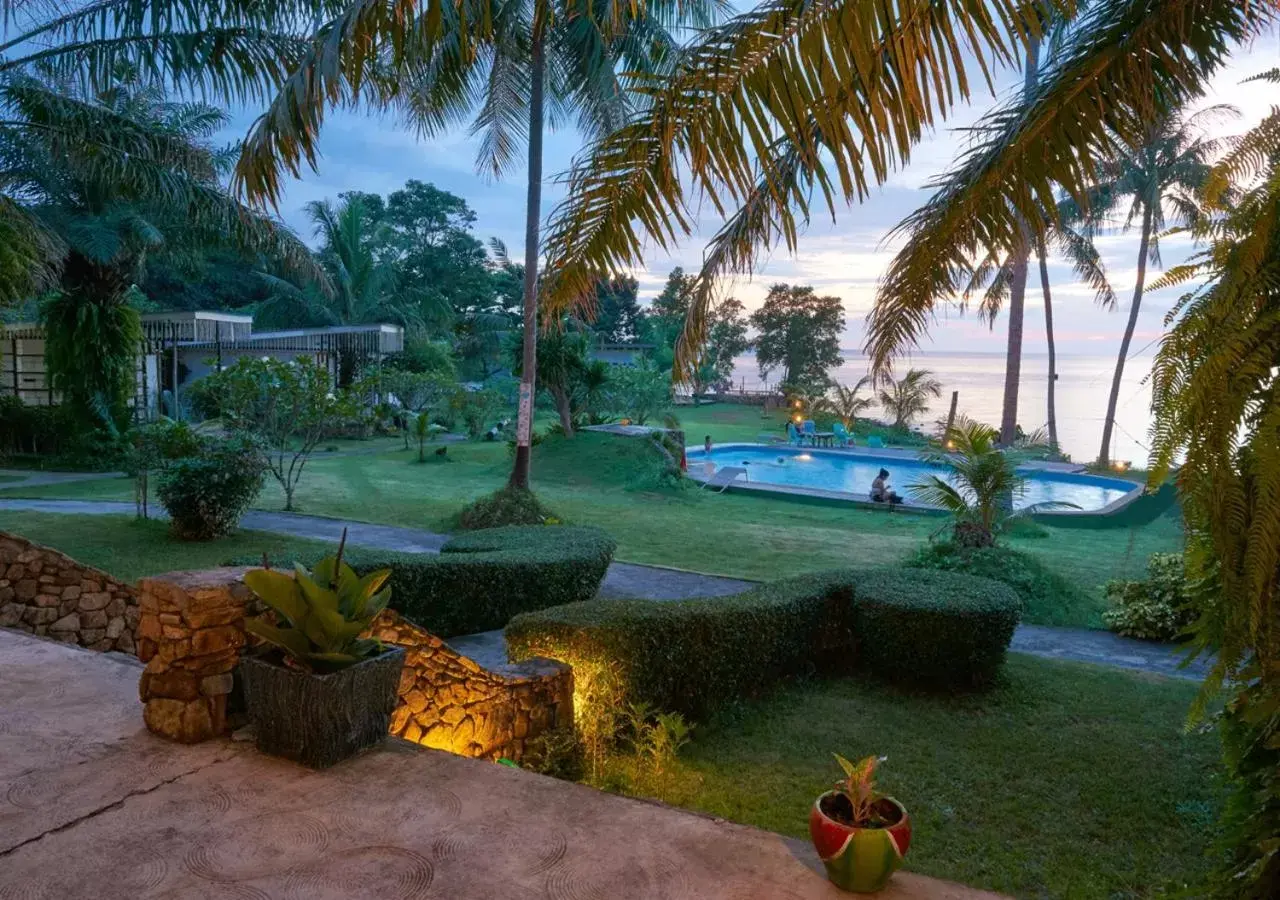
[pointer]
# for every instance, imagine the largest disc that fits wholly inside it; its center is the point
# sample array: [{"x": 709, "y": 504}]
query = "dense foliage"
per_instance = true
[
  {"x": 480, "y": 580},
  {"x": 1158, "y": 608},
  {"x": 799, "y": 334},
  {"x": 933, "y": 628},
  {"x": 207, "y": 493},
  {"x": 505, "y": 506},
  {"x": 1047, "y": 597},
  {"x": 695, "y": 656}
]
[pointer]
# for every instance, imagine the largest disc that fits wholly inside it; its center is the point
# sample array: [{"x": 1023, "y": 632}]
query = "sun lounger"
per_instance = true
[{"x": 725, "y": 477}]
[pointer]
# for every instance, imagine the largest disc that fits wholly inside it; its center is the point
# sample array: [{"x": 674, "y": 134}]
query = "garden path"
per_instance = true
[{"x": 632, "y": 581}]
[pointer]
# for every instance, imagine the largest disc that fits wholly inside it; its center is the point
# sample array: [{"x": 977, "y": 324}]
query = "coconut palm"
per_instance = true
[
  {"x": 981, "y": 486},
  {"x": 993, "y": 277},
  {"x": 846, "y": 402},
  {"x": 1152, "y": 181},
  {"x": 907, "y": 398},
  {"x": 512, "y": 68}
]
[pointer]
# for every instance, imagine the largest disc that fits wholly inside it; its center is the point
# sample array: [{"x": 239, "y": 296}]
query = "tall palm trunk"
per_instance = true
[
  {"x": 1051, "y": 401},
  {"x": 1018, "y": 292},
  {"x": 1148, "y": 216},
  {"x": 532, "y": 221}
]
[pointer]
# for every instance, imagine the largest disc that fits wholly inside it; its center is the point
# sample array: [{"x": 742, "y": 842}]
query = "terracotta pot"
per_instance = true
[{"x": 859, "y": 859}]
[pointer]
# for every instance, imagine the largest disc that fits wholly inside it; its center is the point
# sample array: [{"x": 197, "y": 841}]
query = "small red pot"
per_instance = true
[{"x": 859, "y": 859}]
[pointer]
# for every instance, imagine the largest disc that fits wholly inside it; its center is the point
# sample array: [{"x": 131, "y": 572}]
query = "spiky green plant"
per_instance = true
[
  {"x": 845, "y": 402},
  {"x": 324, "y": 612},
  {"x": 907, "y": 398},
  {"x": 981, "y": 486}
]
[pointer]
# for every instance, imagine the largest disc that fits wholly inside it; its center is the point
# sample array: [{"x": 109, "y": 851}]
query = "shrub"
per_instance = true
[
  {"x": 695, "y": 656},
  {"x": 935, "y": 628},
  {"x": 505, "y": 507},
  {"x": 206, "y": 494},
  {"x": 1157, "y": 609},
  {"x": 1047, "y": 597},
  {"x": 480, "y": 580}
]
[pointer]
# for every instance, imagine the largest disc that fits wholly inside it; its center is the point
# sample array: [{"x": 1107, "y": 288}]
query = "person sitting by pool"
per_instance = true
[{"x": 881, "y": 492}]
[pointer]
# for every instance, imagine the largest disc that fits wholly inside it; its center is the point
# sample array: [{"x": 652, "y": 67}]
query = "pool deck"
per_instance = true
[{"x": 94, "y": 806}]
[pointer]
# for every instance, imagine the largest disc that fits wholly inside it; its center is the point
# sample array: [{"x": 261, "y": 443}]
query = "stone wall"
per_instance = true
[
  {"x": 449, "y": 702},
  {"x": 190, "y": 636},
  {"x": 48, "y": 593}
]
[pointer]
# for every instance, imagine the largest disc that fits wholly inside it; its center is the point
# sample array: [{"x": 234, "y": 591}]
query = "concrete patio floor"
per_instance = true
[{"x": 95, "y": 806}]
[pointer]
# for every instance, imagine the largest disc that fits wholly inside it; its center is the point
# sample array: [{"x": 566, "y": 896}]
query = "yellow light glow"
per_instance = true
[
  {"x": 951, "y": 445},
  {"x": 798, "y": 418},
  {"x": 804, "y": 457}
]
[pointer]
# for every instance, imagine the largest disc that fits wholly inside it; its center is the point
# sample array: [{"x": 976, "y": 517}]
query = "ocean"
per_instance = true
[{"x": 1083, "y": 385}]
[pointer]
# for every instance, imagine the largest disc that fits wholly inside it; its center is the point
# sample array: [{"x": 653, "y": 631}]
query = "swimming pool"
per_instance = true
[{"x": 852, "y": 473}]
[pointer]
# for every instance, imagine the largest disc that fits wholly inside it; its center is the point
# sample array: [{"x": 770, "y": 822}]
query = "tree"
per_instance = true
[
  {"x": 640, "y": 392},
  {"x": 1216, "y": 400},
  {"x": 289, "y": 406},
  {"x": 1156, "y": 177},
  {"x": 562, "y": 362},
  {"x": 908, "y": 398},
  {"x": 845, "y": 402},
  {"x": 799, "y": 332},
  {"x": 419, "y": 394},
  {"x": 981, "y": 486},
  {"x": 617, "y": 310},
  {"x": 511, "y": 61},
  {"x": 101, "y": 180},
  {"x": 726, "y": 340}
]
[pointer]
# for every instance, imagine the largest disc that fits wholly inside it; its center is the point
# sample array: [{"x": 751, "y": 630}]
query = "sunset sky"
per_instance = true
[{"x": 845, "y": 258}]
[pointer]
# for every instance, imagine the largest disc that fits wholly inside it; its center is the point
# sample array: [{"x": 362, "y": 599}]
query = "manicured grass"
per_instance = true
[
  {"x": 612, "y": 482},
  {"x": 129, "y": 549},
  {"x": 1067, "y": 780}
]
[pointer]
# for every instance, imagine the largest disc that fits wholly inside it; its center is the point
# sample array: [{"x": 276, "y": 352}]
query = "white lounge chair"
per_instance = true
[{"x": 724, "y": 477}]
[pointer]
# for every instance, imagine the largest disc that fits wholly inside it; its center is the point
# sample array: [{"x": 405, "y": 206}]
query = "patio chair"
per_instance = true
[
  {"x": 793, "y": 435},
  {"x": 875, "y": 443},
  {"x": 811, "y": 431},
  {"x": 843, "y": 437},
  {"x": 725, "y": 477}
]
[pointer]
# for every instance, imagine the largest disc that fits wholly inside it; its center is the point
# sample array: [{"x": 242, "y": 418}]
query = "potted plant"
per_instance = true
[
  {"x": 860, "y": 834},
  {"x": 321, "y": 692}
]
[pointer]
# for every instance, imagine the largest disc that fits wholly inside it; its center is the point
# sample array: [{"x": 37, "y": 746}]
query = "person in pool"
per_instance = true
[
  {"x": 881, "y": 492},
  {"x": 706, "y": 443}
]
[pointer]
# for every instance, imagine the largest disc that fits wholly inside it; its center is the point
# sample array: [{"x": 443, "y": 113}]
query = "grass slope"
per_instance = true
[
  {"x": 129, "y": 549},
  {"x": 612, "y": 482},
  {"x": 1068, "y": 780}
]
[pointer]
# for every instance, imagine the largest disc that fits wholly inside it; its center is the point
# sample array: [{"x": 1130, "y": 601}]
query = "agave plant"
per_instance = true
[
  {"x": 325, "y": 611},
  {"x": 982, "y": 485}
]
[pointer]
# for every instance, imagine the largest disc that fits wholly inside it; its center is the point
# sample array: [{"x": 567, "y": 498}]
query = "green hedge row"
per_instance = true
[
  {"x": 481, "y": 579},
  {"x": 694, "y": 656}
]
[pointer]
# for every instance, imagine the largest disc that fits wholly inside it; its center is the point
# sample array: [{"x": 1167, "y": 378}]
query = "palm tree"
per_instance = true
[
  {"x": 846, "y": 403},
  {"x": 99, "y": 180},
  {"x": 518, "y": 67},
  {"x": 981, "y": 486},
  {"x": 1153, "y": 180},
  {"x": 364, "y": 286},
  {"x": 993, "y": 276},
  {"x": 908, "y": 398},
  {"x": 1214, "y": 387}
]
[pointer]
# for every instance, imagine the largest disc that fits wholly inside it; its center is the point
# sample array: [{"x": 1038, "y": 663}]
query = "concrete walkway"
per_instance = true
[
  {"x": 631, "y": 581},
  {"x": 94, "y": 806}
]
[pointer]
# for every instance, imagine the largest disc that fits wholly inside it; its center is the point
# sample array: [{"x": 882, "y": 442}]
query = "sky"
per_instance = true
[{"x": 846, "y": 258}]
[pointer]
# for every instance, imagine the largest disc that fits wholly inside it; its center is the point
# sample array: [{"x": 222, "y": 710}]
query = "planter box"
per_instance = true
[{"x": 319, "y": 720}]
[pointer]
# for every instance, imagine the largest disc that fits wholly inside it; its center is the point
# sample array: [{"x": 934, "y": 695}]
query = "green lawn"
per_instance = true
[
  {"x": 1067, "y": 781},
  {"x": 611, "y": 482},
  {"x": 129, "y": 549}
]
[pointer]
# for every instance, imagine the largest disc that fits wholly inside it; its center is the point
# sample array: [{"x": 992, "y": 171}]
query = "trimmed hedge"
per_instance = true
[
  {"x": 694, "y": 656},
  {"x": 483, "y": 578},
  {"x": 936, "y": 628}
]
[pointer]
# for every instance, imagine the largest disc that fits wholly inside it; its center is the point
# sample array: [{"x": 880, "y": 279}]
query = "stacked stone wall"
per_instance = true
[{"x": 47, "y": 593}]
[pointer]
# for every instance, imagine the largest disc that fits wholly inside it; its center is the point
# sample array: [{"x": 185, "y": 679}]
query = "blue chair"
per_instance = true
[
  {"x": 811, "y": 431},
  {"x": 793, "y": 436},
  {"x": 842, "y": 437},
  {"x": 875, "y": 443}
]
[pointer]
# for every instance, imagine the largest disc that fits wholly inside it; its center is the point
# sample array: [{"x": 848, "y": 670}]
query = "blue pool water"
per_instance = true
[{"x": 836, "y": 471}]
